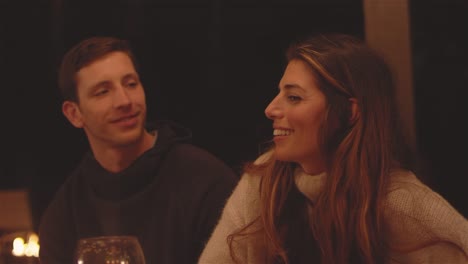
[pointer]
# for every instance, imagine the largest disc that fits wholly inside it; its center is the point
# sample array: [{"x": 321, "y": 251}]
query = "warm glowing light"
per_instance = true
[
  {"x": 29, "y": 249},
  {"x": 18, "y": 247}
]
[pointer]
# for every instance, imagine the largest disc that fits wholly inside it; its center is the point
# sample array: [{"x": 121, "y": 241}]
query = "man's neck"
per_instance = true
[{"x": 117, "y": 159}]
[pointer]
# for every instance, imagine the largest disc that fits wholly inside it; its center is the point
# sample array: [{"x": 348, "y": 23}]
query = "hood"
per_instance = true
[
  {"x": 169, "y": 133},
  {"x": 117, "y": 186}
]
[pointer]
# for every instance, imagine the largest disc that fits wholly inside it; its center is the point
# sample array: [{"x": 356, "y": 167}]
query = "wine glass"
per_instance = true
[{"x": 109, "y": 250}]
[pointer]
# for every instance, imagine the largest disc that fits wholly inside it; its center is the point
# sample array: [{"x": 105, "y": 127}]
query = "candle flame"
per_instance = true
[{"x": 28, "y": 249}]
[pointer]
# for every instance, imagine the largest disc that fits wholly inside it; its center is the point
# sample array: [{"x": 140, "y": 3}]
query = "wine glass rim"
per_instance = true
[{"x": 115, "y": 247}]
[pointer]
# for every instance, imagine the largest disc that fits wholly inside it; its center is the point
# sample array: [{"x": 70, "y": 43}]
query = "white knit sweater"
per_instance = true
[{"x": 416, "y": 216}]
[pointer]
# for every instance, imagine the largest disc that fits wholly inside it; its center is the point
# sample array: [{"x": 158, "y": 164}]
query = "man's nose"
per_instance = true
[{"x": 121, "y": 97}]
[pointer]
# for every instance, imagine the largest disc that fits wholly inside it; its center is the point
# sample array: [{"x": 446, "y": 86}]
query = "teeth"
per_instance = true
[{"x": 281, "y": 132}]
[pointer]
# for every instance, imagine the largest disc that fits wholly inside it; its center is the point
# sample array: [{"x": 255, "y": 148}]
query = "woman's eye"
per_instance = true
[{"x": 294, "y": 98}]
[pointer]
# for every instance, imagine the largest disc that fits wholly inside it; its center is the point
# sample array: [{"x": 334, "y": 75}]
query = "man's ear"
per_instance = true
[
  {"x": 355, "y": 111},
  {"x": 72, "y": 112}
]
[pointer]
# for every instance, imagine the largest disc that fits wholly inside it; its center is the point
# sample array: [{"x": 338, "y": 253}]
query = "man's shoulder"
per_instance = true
[
  {"x": 191, "y": 154},
  {"x": 190, "y": 159},
  {"x": 72, "y": 186}
]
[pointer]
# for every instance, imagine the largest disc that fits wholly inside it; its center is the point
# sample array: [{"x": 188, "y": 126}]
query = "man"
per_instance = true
[{"x": 144, "y": 182}]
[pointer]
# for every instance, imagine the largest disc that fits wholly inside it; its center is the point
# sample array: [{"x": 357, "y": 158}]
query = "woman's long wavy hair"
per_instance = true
[{"x": 345, "y": 223}]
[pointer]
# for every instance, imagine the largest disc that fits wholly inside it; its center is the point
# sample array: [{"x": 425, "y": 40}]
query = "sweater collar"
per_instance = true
[{"x": 309, "y": 185}]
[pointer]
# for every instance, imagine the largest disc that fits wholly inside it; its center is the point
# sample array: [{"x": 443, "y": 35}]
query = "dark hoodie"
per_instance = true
[{"x": 170, "y": 198}]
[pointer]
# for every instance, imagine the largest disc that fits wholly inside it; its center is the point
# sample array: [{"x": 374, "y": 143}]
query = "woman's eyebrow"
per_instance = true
[{"x": 290, "y": 86}]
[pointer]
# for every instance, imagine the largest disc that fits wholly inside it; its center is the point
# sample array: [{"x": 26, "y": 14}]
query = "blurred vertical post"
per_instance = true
[{"x": 387, "y": 29}]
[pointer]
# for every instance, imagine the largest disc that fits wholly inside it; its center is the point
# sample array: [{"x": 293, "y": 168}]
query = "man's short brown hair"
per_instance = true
[{"x": 83, "y": 54}]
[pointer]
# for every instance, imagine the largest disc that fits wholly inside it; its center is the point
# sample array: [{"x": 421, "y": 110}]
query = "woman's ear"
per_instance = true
[
  {"x": 72, "y": 112},
  {"x": 355, "y": 111}
]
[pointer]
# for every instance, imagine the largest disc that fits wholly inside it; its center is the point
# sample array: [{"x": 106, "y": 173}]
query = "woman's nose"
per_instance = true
[{"x": 273, "y": 110}]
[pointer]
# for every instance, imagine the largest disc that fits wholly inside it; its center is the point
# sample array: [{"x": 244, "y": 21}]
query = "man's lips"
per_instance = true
[{"x": 123, "y": 118}]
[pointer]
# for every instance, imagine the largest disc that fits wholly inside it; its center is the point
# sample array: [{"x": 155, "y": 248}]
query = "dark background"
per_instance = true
[{"x": 213, "y": 66}]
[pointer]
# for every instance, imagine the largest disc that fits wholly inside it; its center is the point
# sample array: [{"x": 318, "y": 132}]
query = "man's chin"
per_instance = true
[{"x": 129, "y": 139}]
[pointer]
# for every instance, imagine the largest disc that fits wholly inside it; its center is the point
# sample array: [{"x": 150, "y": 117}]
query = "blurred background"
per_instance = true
[{"x": 213, "y": 65}]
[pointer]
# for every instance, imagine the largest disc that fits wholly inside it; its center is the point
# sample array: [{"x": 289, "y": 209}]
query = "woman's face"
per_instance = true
[{"x": 297, "y": 113}]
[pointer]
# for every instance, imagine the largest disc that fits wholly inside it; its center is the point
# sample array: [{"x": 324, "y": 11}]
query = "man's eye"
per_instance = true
[
  {"x": 132, "y": 84},
  {"x": 101, "y": 92}
]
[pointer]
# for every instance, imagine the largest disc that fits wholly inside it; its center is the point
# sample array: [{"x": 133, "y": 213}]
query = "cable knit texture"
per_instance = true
[{"x": 422, "y": 226}]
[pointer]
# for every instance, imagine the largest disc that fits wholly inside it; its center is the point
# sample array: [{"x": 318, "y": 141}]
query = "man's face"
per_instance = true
[{"x": 112, "y": 107}]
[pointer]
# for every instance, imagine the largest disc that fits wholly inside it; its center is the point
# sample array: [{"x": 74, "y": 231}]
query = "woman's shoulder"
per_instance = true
[
  {"x": 244, "y": 203},
  {"x": 247, "y": 188},
  {"x": 250, "y": 180},
  {"x": 404, "y": 187},
  {"x": 406, "y": 193},
  {"x": 415, "y": 214}
]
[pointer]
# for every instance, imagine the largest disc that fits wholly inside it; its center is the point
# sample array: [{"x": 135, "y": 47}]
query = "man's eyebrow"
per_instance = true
[
  {"x": 107, "y": 82},
  {"x": 130, "y": 76},
  {"x": 99, "y": 84}
]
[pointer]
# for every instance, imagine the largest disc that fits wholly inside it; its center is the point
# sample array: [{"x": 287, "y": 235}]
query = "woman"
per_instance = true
[{"x": 336, "y": 186}]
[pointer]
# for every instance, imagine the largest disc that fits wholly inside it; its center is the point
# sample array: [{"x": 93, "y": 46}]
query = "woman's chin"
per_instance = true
[{"x": 282, "y": 155}]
